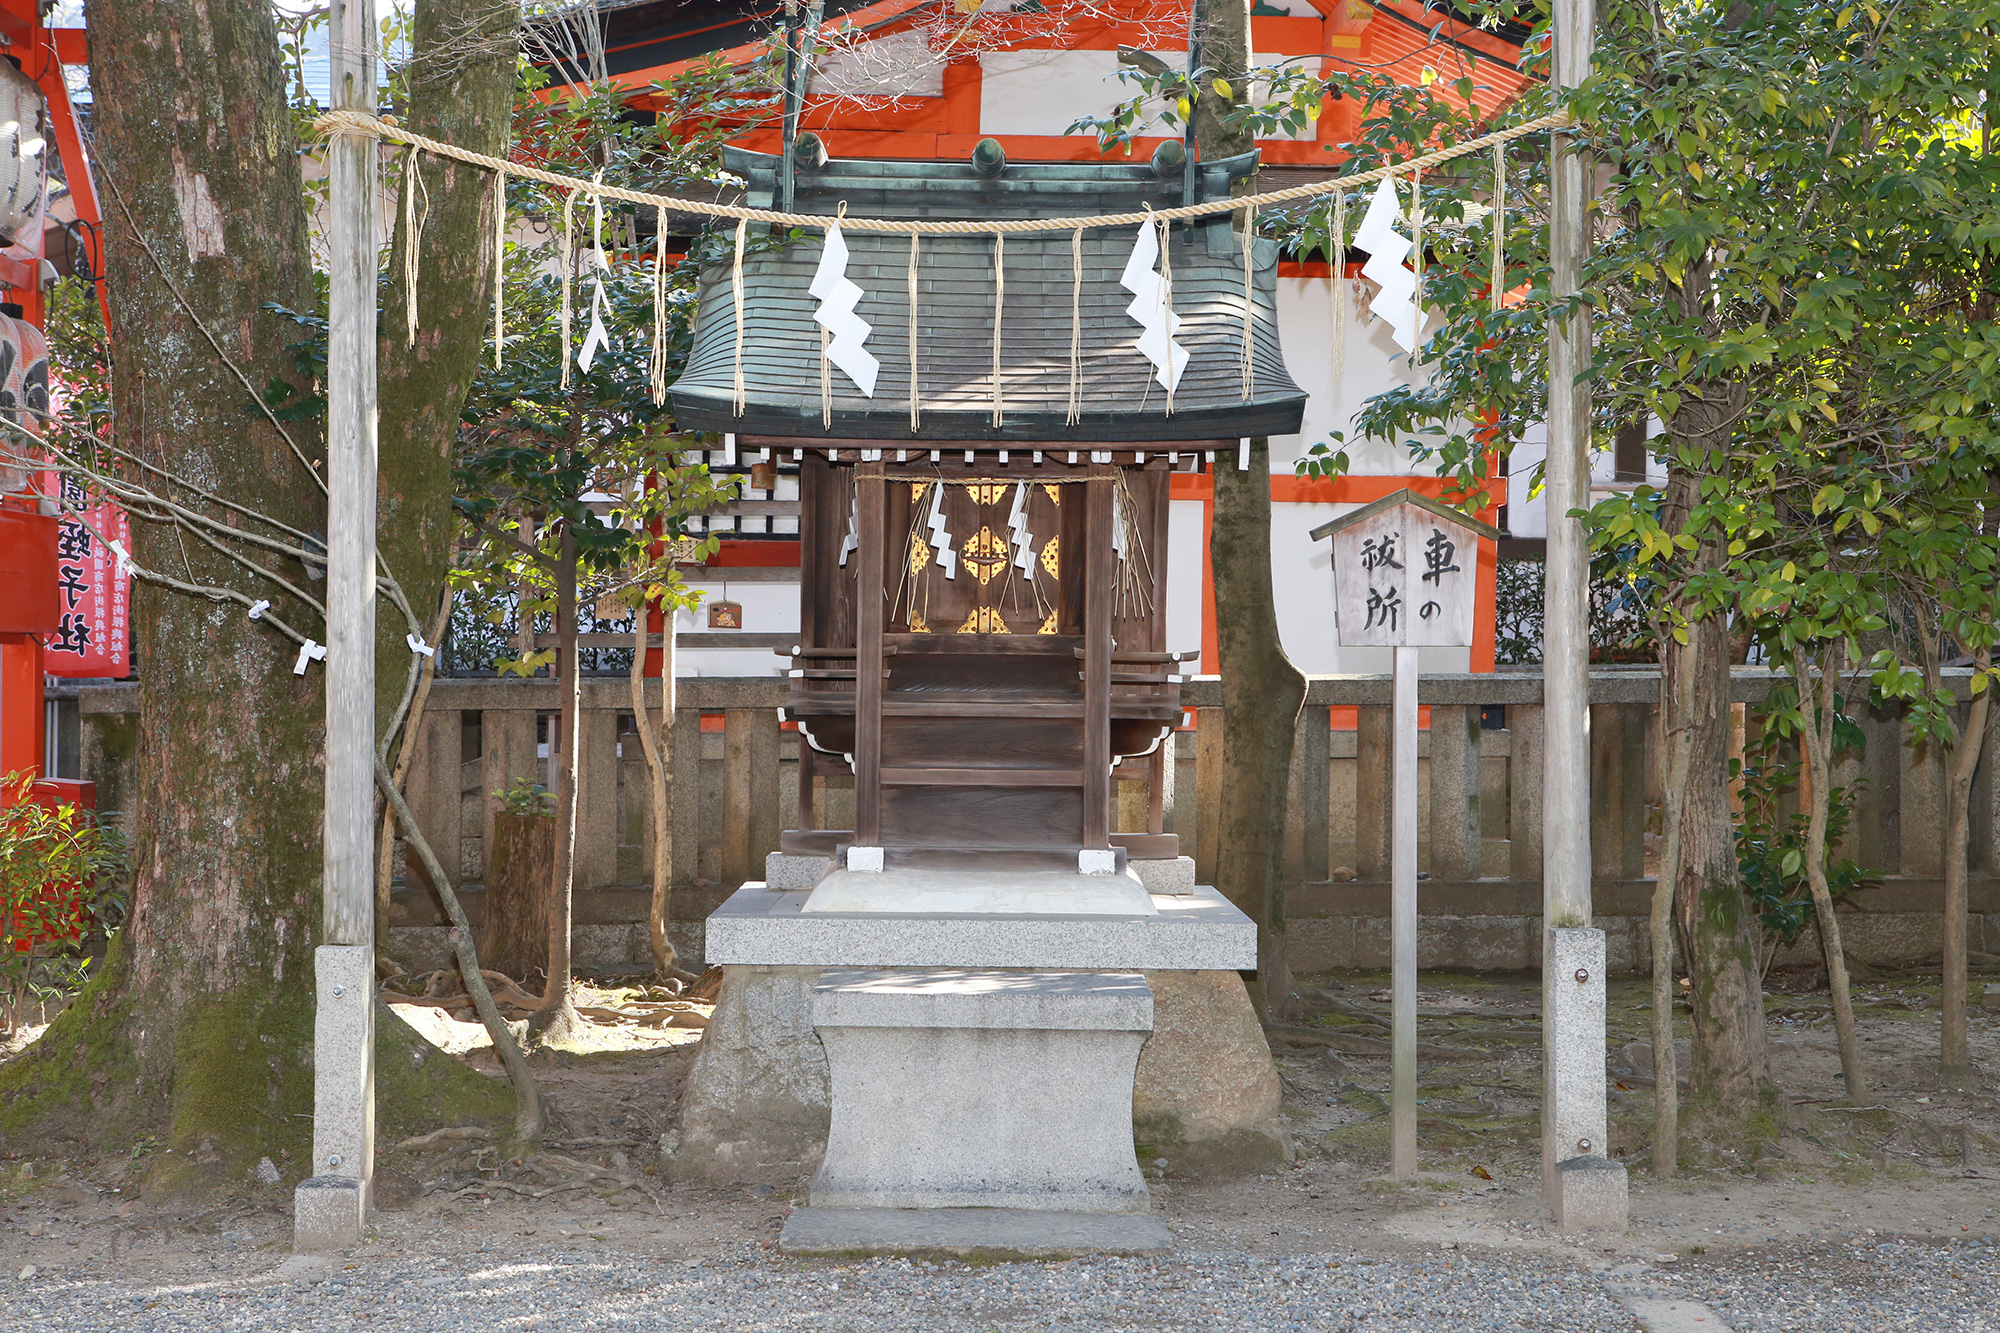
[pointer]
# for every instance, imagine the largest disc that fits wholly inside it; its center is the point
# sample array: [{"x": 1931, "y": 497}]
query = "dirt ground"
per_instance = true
[{"x": 1915, "y": 1161}]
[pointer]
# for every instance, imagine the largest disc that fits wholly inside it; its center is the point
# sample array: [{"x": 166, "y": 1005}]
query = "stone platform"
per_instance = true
[
  {"x": 1194, "y": 931},
  {"x": 758, "y": 1105},
  {"x": 970, "y": 1233}
]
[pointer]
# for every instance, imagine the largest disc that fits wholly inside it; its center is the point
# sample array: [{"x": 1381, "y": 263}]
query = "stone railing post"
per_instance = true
[
  {"x": 597, "y": 806},
  {"x": 1372, "y": 775},
  {"x": 435, "y": 785},
  {"x": 1455, "y": 824},
  {"x": 686, "y": 796},
  {"x": 1208, "y": 789},
  {"x": 1617, "y": 791},
  {"x": 1524, "y": 792},
  {"x": 1306, "y": 800}
]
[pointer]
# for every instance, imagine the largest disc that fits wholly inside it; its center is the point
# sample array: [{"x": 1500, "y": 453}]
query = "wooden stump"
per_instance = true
[{"x": 514, "y": 937}]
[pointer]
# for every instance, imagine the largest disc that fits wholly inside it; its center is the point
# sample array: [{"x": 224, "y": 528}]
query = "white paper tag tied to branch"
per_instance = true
[
  {"x": 1152, "y": 309},
  {"x": 1387, "y": 249},
  {"x": 308, "y": 652},
  {"x": 417, "y": 645},
  {"x": 838, "y": 295},
  {"x": 597, "y": 338}
]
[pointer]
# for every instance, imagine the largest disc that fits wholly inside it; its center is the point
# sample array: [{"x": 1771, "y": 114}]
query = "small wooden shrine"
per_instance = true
[{"x": 983, "y": 536}]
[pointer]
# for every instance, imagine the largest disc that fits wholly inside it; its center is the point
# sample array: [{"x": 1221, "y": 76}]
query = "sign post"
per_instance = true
[{"x": 1404, "y": 578}]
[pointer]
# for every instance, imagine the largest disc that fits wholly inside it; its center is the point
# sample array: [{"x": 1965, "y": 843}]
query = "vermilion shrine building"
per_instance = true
[{"x": 1024, "y": 76}]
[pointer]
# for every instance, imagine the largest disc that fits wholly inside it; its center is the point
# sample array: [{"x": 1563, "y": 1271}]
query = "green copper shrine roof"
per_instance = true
[{"x": 1120, "y": 400}]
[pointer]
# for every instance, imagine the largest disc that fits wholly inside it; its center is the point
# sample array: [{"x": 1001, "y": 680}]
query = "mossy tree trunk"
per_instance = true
[
  {"x": 1261, "y": 690},
  {"x": 199, "y": 1029},
  {"x": 461, "y": 90},
  {"x": 1717, "y": 930}
]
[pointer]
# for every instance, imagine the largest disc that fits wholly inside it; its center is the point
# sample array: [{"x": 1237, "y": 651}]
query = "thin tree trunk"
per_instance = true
[
  {"x": 385, "y": 851},
  {"x": 1717, "y": 929},
  {"x": 1816, "y": 695},
  {"x": 1955, "y": 1060},
  {"x": 658, "y": 745},
  {"x": 557, "y": 1014},
  {"x": 1676, "y": 752}
]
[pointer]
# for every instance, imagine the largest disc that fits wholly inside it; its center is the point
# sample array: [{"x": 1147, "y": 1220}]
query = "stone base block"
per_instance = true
[
  {"x": 328, "y": 1213},
  {"x": 755, "y": 1109},
  {"x": 1589, "y": 1194},
  {"x": 1174, "y": 878},
  {"x": 1207, "y": 1095},
  {"x": 970, "y": 1233},
  {"x": 785, "y": 872},
  {"x": 958, "y": 1088}
]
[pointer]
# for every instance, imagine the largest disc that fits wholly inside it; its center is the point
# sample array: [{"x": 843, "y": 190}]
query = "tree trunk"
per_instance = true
[
  {"x": 514, "y": 937},
  {"x": 1676, "y": 755},
  {"x": 1261, "y": 695},
  {"x": 1816, "y": 695},
  {"x": 557, "y": 1016},
  {"x": 1718, "y": 931},
  {"x": 1955, "y": 1060},
  {"x": 1261, "y": 690},
  {"x": 461, "y": 90},
  {"x": 658, "y": 744},
  {"x": 200, "y": 1027}
]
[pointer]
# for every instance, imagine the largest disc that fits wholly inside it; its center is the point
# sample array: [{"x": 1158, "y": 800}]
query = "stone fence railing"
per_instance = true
[{"x": 1480, "y": 812}]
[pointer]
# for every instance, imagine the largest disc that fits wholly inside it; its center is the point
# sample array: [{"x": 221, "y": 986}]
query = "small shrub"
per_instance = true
[
  {"x": 58, "y": 869},
  {"x": 526, "y": 798}
]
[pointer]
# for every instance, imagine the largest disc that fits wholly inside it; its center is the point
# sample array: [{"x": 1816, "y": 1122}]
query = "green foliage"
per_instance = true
[
  {"x": 58, "y": 868},
  {"x": 1771, "y": 844},
  {"x": 585, "y": 460},
  {"x": 526, "y": 798}
]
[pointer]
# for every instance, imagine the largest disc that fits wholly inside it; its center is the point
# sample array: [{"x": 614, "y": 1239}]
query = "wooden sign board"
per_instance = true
[{"x": 1405, "y": 573}]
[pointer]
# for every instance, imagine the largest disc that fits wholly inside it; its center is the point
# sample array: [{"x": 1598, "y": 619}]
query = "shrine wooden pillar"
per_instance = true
[
  {"x": 868, "y": 656},
  {"x": 1099, "y": 514}
]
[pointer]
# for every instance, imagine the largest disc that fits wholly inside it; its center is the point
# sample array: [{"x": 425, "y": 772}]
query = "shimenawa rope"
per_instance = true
[{"x": 358, "y": 122}]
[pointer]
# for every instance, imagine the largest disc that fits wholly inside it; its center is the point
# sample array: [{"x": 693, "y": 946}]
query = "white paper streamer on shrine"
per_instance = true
[
  {"x": 1120, "y": 546},
  {"x": 947, "y": 559},
  {"x": 852, "y": 542},
  {"x": 838, "y": 295},
  {"x": 1017, "y": 526},
  {"x": 1387, "y": 249},
  {"x": 1151, "y": 309}
]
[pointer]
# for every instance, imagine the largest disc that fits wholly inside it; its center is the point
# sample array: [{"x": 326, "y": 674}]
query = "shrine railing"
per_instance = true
[{"x": 1480, "y": 812}]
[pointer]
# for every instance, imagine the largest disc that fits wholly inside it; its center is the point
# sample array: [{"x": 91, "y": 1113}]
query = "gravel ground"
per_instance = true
[
  {"x": 1866, "y": 1285},
  {"x": 1214, "y": 1291}
]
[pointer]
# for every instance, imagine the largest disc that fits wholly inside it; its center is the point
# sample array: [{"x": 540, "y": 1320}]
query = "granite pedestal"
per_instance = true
[
  {"x": 970, "y": 1088},
  {"x": 977, "y": 1058}
]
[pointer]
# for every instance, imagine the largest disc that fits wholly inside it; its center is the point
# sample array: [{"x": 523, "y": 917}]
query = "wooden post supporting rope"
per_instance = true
[{"x": 331, "y": 1206}]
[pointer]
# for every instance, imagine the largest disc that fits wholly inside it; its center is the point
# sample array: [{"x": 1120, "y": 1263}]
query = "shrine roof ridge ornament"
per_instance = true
[{"x": 1427, "y": 503}]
